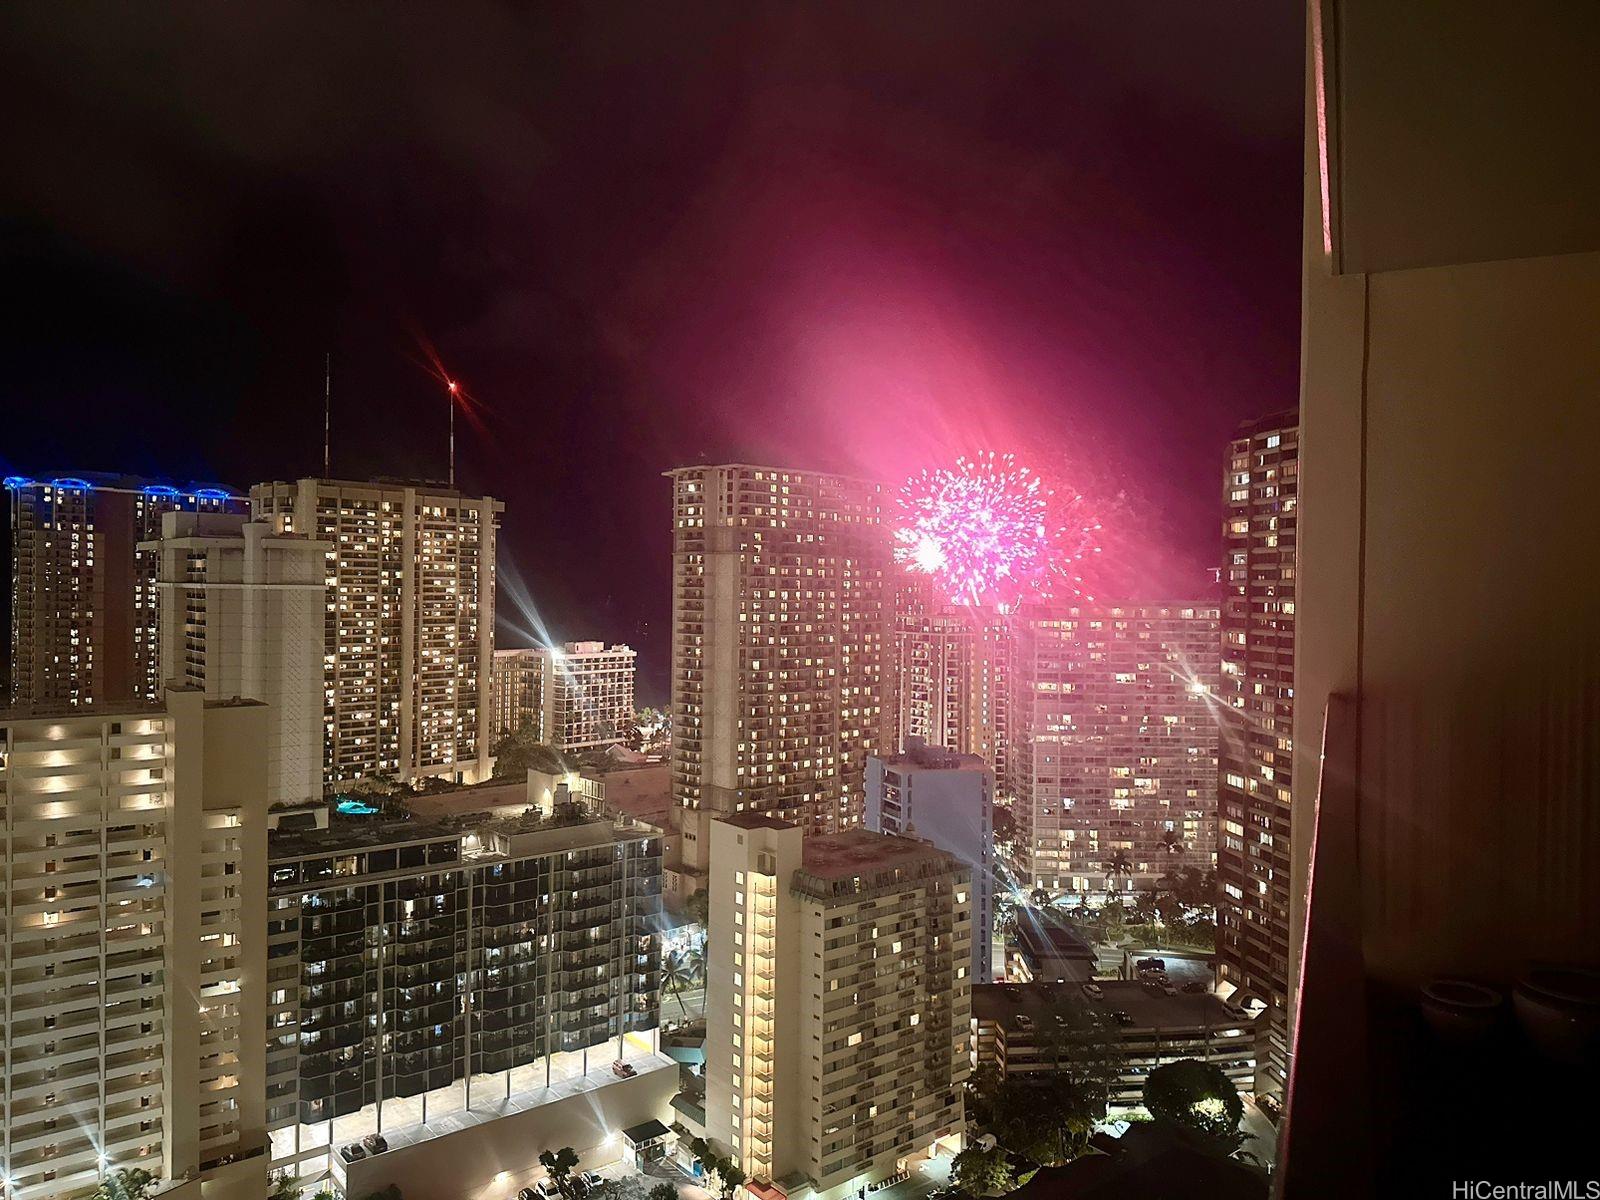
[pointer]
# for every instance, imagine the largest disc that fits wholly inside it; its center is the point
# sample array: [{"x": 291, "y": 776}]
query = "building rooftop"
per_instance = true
[
  {"x": 924, "y": 757},
  {"x": 857, "y": 851},
  {"x": 1004, "y": 1002},
  {"x": 641, "y": 792},
  {"x": 755, "y": 820},
  {"x": 1056, "y": 939}
]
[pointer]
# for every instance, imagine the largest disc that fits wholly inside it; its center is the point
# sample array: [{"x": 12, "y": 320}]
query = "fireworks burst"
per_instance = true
[{"x": 990, "y": 532}]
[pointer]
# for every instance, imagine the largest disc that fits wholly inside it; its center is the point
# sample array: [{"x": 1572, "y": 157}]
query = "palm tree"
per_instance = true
[
  {"x": 1117, "y": 864},
  {"x": 680, "y": 970},
  {"x": 1172, "y": 842}
]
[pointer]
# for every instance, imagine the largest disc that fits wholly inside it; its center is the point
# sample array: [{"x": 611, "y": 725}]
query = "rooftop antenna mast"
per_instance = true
[
  {"x": 327, "y": 411},
  {"x": 451, "y": 396}
]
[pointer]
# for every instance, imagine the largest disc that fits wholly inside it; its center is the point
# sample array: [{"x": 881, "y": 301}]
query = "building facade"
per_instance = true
[
  {"x": 423, "y": 968},
  {"x": 1015, "y": 1031},
  {"x": 516, "y": 694},
  {"x": 84, "y": 605},
  {"x": 587, "y": 691},
  {"x": 1114, "y": 753},
  {"x": 779, "y": 621},
  {"x": 242, "y": 615},
  {"x": 135, "y": 961},
  {"x": 838, "y": 1010},
  {"x": 1256, "y": 748},
  {"x": 946, "y": 799},
  {"x": 949, "y": 674},
  {"x": 408, "y": 625}
]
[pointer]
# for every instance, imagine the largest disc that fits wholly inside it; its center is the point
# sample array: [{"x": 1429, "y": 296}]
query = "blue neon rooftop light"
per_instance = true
[
  {"x": 212, "y": 494},
  {"x": 16, "y": 482},
  {"x": 72, "y": 483},
  {"x": 160, "y": 489},
  {"x": 352, "y": 807}
]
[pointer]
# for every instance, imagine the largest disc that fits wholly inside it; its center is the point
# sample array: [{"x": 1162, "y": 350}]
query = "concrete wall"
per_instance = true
[
  {"x": 495, "y": 1159},
  {"x": 1447, "y": 510}
]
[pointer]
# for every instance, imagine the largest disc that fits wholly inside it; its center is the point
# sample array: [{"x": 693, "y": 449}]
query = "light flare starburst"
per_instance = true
[{"x": 990, "y": 531}]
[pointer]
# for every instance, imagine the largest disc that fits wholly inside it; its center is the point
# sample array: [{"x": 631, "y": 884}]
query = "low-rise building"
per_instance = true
[
  {"x": 1018, "y": 1030},
  {"x": 465, "y": 965},
  {"x": 1049, "y": 950}
]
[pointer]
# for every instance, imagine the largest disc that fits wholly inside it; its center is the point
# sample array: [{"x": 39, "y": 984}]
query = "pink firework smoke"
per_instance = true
[{"x": 991, "y": 532}]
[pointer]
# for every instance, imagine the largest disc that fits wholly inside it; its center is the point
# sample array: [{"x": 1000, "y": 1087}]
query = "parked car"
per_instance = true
[
  {"x": 352, "y": 1153},
  {"x": 527, "y": 1194},
  {"x": 1168, "y": 990},
  {"x": 1012, "y": 993},
  {"x": 1024, "y": 1021},
  {"x": 1094, "y": 991},
  {"x": 1160, "y": 964},
  {"x": 547, "y": 1189},
  {"x": 589, "y": 1181},
  {"x": 623, "y": 1070},
  {"x": 1122, "y": 1018},
  {"x": 1195, "y": 987},
  {"x": 374, "y": 1143}
]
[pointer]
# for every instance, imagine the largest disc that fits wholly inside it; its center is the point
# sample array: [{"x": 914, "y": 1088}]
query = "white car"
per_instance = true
[{"x": 1094, "y": 991}]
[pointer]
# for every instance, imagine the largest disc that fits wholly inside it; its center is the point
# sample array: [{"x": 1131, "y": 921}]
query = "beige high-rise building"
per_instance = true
[
  {"x": 587, "y": 690},
  {"x": 516, "y": 694},
  {"x": 950, "y": 680},
  {"x": 242, "y": 615},
  {"x": 1257, "y": 690},
  {"x": 408, "y": 626},
  {"x": 1113, "y": 761},
  {"x": 84, "y": 604},
  {"x": 134, "y": 988},
  {"x": 838, "y": 1002},
  {"x": 779, "y": 626}
]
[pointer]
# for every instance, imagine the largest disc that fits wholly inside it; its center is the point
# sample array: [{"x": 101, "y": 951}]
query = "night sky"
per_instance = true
[{"x": 862, "y": 236}]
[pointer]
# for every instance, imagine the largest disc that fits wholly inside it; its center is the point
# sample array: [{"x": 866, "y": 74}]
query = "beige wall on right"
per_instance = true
[{"x": 1449, "y": 505}]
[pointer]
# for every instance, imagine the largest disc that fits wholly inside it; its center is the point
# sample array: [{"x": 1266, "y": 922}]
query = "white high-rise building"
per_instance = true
[
  {"x": 242, "y": 615},
  {"x": 947, "y": 799},
  {"x": 1113, "y": 758},
  {"x": 408, "y": 624},
  {"x": 838, "y": 1002},
  {"x": 135, "y": 937}
]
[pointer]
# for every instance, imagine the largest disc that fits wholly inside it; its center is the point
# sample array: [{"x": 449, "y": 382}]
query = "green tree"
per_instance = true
[
  {"x": 131, "y": 1183},
  {"x": 698, "y": 906},
  {"x": 283, "y": 1186},
  {"x": 1198, "y": 1097},
  {"x": 560, "y": 1165},
  {"x": 664, "y": 1191},
  {"x": 730, "y": 1176},
  {"x": 518, "y": 753},
  {"x": 325, "y": 1193},
  {"x": 980, "y": 1172}
]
